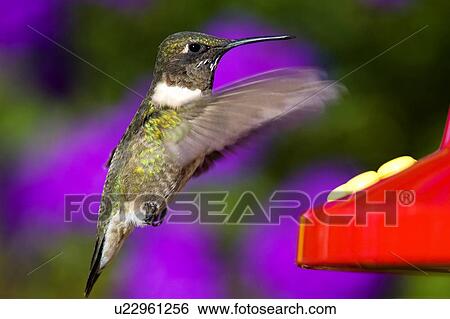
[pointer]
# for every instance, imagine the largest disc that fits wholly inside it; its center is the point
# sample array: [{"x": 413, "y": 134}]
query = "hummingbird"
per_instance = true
[{"x": 181, "y": 127}]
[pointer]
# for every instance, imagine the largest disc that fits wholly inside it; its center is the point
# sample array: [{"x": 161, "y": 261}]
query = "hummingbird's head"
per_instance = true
[{"x": 188, "y": 60}]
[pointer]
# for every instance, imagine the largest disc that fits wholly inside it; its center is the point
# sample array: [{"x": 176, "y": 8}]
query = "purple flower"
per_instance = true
[
  {"x": 268, "y": 255},
  {"x": 23, "y": 28},
  {"x": 173, "y": 261},
  {"x": 18, "y": 14}
]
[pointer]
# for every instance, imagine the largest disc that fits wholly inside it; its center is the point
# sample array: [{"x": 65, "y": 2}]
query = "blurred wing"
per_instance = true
[{"x": 214, "y": 122}]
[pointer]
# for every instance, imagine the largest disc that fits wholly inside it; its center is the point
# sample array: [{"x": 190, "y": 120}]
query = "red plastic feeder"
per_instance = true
[{"x": 400, "y": 223}]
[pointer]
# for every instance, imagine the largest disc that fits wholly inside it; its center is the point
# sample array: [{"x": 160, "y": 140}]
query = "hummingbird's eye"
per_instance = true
[{"x": 194, "y": 47}]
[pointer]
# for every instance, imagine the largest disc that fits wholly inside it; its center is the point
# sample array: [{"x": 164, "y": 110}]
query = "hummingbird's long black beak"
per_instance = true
[{"x": 236, "y": 43}]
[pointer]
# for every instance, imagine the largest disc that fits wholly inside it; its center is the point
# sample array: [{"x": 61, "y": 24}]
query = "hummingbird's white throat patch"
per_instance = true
[{"x": 174, "y": 96}]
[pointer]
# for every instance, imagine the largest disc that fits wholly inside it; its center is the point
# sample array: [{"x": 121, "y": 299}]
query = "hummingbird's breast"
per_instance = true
[{"x": 143, "y": 165}]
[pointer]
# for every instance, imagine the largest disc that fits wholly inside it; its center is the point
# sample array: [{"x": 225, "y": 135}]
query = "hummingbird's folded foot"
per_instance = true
[
  {"x": 151, "y": 210},
  {"x": 153, "y": 216},
  {"x": 159, "y": 218}
]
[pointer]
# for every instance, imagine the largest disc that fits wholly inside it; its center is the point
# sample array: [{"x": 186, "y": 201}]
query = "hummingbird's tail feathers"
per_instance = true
[{"x": 95, "y": 270}]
